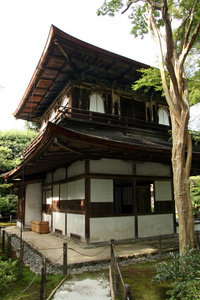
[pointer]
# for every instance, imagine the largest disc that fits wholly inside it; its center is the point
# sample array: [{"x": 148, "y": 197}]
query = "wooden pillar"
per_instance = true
[
  {"x": 87, "y": 202},
  {"x": 116, "y": 281},
  {"x": 9, "y": 246},
  {"x": 43, "y": 280},
  {"x": 160, "y": 248},
  {"x": 20, "y": 267},
  {"x": 112, "y": 254},
  {"x": 198, "y": 245},
  {"x": 3, "y": 240},
  {"x": 135, "y": 206},
  {"x": 127, "y": 292},
  {"x": 64, "y": 258}
]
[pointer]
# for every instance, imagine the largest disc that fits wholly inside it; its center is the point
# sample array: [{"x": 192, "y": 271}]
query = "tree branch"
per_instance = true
[
  {"x": 162, "y": 69},
  {"x": 154, "y": 5},
  {"x": 190, "y": 25},
  {"x": 170, "y": 51}
]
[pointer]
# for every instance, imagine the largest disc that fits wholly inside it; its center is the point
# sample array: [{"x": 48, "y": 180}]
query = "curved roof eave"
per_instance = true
[
  {"x": 53, "y": 131},
  {"x": 53, "y": 35}
]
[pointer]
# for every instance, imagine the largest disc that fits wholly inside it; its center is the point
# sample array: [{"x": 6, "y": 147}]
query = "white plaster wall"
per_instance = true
[
  {"x": 47, "y": 218},
  {"x": 119, "y": 228},
  {"x": 33, "y": 204},
  {"x": 76, "y": 168},
  {"x": 76, "y": 189},
  {"x": 152, "y": 169},
  {"x": 155, "y": 225},
  {"x": 163, "y": 191},
  {"x": 59, "y": 222},
  {"x": 63, "y": 191},
  {"x": 48, "y": 178},
  {"x": 101, "y": 190},
  {"x": 59, "y": 174},
  {"x": 76, "y": 225},
  {"x": 111, "y": 166},
  {"x": 55, "y": 192}
]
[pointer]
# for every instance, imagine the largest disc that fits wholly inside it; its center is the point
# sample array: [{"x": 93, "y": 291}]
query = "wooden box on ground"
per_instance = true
[{"x": 40, "y": 227}]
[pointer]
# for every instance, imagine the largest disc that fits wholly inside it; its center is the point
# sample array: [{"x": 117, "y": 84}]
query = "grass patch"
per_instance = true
[
  {"x": 139, "y": 276},
  {"x": 4, "y": 224},
  {"x": 15, "y": 288},
  {"x": 33, "y": 292}
]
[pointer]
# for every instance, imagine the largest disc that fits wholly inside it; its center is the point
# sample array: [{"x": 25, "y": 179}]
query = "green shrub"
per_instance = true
[
  {"x": 195, "y": 195},
  {"x": 6, "y": 273},
  {"x": 8, "y": 205},
  {"x": 184, "y": 271}
]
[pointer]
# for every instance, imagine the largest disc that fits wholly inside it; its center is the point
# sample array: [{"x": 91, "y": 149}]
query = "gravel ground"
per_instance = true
[{"x": 87, "y": 289}]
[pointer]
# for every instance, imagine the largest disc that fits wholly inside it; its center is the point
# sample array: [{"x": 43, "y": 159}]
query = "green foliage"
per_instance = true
[
  {"x": 150, "y": 81},
  {"x": 195, "y": 194},
  {"x": 194, "y": 87},
  {"x": 110, "y": 8},
  {"x": 32, "y": 126},
  {"x": 8, "y": 205},
  {"x": 184, "y": 271},
  {"x": 12, "y": 144},
  {"x": 6, "y": 273}
]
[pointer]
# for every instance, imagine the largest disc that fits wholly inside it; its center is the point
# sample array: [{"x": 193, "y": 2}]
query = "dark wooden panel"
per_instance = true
[
  {"x": 163, "y": 206},
  {"x": 72, "y": 205},
  {"x": 106, "y": 208}
]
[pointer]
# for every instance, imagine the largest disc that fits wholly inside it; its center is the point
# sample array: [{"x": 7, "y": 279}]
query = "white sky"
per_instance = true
[{"x": 25, "y": 26}]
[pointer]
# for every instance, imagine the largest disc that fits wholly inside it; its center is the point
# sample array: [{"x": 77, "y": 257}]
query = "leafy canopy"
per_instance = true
[
  {"x": 12, "y": 145},
  {"x": 144, "y": 14}
]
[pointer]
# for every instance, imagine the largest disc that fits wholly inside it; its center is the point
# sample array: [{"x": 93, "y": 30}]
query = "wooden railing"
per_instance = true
[
  {"x": 116, "y": 120},
  {"x": 117, "y": 276},
  {"x": 100, "y": 118}
]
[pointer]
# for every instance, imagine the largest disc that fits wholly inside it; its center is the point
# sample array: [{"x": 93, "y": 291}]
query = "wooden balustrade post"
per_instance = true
[
  {"x": 64, "y": 258},
  {"x": 160, "y": 248},
  {"x": 127, "y": 292},
  {"x": 43, "y": 280},
  {"x": 112, "y": 258},
  {"x": 116, "y": 281},
  {"x": 9, "y": 247}
]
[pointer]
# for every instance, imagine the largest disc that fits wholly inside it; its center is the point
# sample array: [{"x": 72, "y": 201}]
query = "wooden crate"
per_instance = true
[{"x": 40, "y": 227}]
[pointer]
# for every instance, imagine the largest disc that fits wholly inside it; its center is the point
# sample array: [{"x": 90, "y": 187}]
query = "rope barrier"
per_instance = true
[
  {"x": 51, "y": 264},
  {"x": 87, "y": 254},
  {"x": 27, "y": 287}
]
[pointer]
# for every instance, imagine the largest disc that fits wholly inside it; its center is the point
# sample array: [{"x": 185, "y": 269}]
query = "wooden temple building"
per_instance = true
[{"x": 100, "y": 167}]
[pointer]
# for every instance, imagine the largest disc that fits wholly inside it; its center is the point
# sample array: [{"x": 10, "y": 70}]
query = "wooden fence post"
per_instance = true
[
  {"x": 9, "y": 247},
  {"x": 127, "y": 292},
  {"x": 43, "y": 280},
  {"x": 20, "y": 267},
  {"x": 116, "y": 281},
  {"x": 3, "y": 240},
  {"x": 64, "y": 258},
  {"x": 112, "y": 255},
  {"x": 198, "y": 246},
  {"x": 160, "y": 248}
]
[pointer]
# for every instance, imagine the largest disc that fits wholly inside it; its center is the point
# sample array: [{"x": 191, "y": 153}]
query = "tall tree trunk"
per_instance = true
[{"x": 181, "y": 163}]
